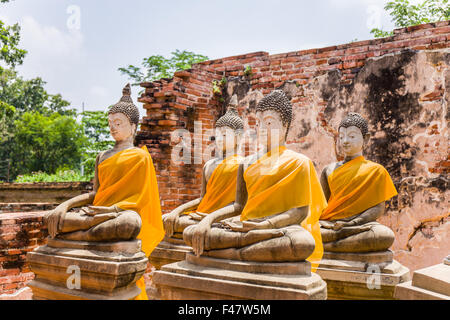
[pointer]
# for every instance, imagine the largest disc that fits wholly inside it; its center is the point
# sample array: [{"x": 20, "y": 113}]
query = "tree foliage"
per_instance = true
[
  {"x": 10, "y": 54},
  {"x": 405, "y": 14},
  {"x": 38, "y": 130},
  {"x": 46, "y": 143},
  {"x": 96, "y": 130},
  {"x": 156, "y": 67}
]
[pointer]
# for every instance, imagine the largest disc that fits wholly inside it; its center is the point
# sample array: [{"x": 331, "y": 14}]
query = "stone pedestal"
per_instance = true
[
  {"x": 168, "y": 251},
  {"x": 106, "y": 270},
  {"x": 361, "y": 276},
  {"x": 432, "y": 283},
  {"x": 201, "y": 278}
]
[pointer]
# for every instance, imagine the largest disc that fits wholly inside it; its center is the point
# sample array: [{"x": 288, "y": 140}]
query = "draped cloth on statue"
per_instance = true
[
  {"x": 221, "y": 186},
  {"x": 128, "y": 180},
  {"x": 357, "y": 186},
  {"x": 281, "y": 180}
]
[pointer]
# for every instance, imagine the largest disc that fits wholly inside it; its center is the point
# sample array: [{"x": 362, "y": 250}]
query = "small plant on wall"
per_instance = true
[
  {"x": 218, "y": 86},
  {"x": 248, "y": 71},
  {"x": 217, "y": 90}
]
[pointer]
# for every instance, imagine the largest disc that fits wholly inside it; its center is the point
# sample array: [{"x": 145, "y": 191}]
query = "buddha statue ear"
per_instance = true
[{"x": 366, "y": 138}]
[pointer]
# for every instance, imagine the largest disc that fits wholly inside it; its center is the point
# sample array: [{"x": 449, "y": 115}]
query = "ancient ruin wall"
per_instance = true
[{"x": 400, "y": 83}]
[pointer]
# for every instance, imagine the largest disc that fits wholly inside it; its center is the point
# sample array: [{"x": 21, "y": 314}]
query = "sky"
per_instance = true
[{"x": 77, "y": 46}]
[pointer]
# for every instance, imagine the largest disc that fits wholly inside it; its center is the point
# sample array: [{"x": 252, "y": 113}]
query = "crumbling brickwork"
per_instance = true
[{"x": 19, "y": 234}]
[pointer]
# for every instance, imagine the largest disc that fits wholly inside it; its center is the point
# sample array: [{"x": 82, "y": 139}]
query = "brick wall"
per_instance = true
[
  {"x": 400, "y": 83},
  {"x": 19, "y": 234},
  {"x": 26, "y": 197}
]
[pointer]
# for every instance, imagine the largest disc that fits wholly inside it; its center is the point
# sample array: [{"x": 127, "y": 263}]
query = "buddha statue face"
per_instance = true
[
  {"x": 229, "y": 129},
  {"x": 226, "y": 139},
  {"x": 353, "y": 134},
  {"x": 123, "y": 117},
  {"x": 273, "y": 118},
  {"x": 351, "y": 141},
  {"x": 270, "y": 128},
  {"x": 120, "y": 127}
]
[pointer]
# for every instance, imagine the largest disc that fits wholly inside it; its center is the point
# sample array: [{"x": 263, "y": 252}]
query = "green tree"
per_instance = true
[
  {"x": 405, "y": 14},
  {"x": 17, "y": 98},
  {"x": 46, "y": 143},
  {"x": 96, "y": 130},
  {"x": 10, "y": 54},
  {"x": 30, "y": 95},
  {"x": 26, "y": 103},
  {"x": 156, "y": 67}
]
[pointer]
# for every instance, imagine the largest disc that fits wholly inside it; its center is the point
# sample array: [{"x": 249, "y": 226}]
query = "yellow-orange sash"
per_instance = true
[
  {"x": 221, "y": 186},
  {"x": 357, "y": 186},
  {"x": 128, "y": 180},
  {"x": 281, "y": 180}
]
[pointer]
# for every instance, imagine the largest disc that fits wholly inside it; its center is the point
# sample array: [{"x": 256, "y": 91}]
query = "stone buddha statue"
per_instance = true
[
  {"x": 218, "y": 179},
  {"x": 278, "y": 200},
  {"x": 124, "y": 204},
  {"x": 356, "y": 190}
]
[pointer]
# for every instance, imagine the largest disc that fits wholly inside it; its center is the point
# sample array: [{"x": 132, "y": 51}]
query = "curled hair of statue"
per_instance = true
[
  {"x": 355, "y": 119},
  {"x": 126, "y": 106},
  {"x": 231, "y": 117},
  {"x": 278, "y": 101}
]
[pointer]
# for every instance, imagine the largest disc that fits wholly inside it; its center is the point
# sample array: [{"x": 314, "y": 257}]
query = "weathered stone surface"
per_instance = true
[
  {"x": 432, "y": 283},
  {"x": 166, "y": 253},
  {"x": 42, "y": 192},
  {"x": 219, "y": 279},
  {"x": 361, "y": 276},
  {"x": 107, "y": 270}
]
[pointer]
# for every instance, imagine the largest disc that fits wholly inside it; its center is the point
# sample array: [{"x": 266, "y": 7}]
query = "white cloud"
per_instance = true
[{"x": 49, "y": 41}]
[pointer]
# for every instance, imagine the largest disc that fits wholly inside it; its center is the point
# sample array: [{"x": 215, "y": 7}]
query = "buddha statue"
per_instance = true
[
  {"x": 278, "y": 200},
  {"x": 124, "y": 204},
  {"x": 218, "y": 177},
  {"x": 356, "y": 190}
]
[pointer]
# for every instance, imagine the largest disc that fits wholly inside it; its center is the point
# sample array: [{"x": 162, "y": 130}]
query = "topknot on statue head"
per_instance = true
[
  {"x": 231, "y": 117},
  {"x": 126, "y": 106}
]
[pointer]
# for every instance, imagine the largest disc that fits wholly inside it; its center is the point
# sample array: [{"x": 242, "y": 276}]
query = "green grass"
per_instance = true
[{"x": 62, "y": 175}]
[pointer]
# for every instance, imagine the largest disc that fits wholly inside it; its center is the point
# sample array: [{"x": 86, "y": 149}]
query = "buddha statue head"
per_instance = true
[
  {"x": 353, "y": 134},
  {"x": 229, "y": 128},
  {"x": 273, "y": 119},
  {"x": 123, "y": 117}
]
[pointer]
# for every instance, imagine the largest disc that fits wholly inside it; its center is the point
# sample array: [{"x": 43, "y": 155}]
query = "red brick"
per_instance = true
[
  {"x": 167, "y": 122},
  {"x": 9, "y": 272}
]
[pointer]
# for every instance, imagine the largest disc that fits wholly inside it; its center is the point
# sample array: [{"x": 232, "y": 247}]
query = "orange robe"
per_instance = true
[
  {"x": 357, "y": 186},
  {"x": 281, "y": 180},
  {"x": 221, "y": 186},
  {"x": 128, "y": 180}
]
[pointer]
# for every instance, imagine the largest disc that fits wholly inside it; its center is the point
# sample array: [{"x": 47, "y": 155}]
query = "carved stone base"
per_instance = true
[
  {"x": 432, "y": 283},
  {"x": 168, "y": 252},
  {"x": 361, "y": 276},
  {"x": 107, "y": 270},
  {"x": 201, "y": 278}
]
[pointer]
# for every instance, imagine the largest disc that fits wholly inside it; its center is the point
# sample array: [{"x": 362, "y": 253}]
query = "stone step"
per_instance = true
[
  {"x": 406, "y": 291},
  {"x": 435, "y": 278}
]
